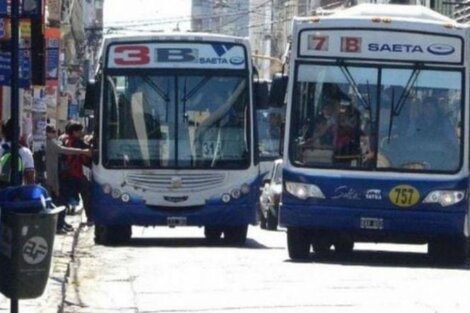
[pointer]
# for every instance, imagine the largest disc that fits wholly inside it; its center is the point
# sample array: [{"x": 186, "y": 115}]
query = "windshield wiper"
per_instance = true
[
  {"x": 196, "y": 88},
  {"x": 396, "y": 108},
  {"x": 365, "y": 103},
  {"x": 158, "y": 89},
  {"x": 406, "y": 92}
]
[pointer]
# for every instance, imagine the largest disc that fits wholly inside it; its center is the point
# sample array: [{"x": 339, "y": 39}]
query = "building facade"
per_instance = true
[{"x": 221, "y": 16}]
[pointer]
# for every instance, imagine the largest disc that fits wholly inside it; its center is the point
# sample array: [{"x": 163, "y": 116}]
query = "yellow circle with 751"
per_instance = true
[{"x": 404, "y": 196}]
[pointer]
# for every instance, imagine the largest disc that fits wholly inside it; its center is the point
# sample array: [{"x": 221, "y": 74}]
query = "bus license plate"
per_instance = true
[
  {"x": 372, "y": 223},
  {"x": 176, "y": 221}
]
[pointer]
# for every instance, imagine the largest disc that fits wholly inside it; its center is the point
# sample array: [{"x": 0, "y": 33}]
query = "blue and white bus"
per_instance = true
[
  {"x": 377, "y": 145},
  {"x": 175, "y": 135}
]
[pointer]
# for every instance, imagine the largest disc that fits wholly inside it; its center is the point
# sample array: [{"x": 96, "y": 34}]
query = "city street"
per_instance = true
[
  {"x": 174, "y": 270},
  {"x": 345, "y": 120}
]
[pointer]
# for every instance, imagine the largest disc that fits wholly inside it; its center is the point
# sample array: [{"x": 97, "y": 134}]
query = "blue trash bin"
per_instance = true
[{"x": 27, "y": 229}]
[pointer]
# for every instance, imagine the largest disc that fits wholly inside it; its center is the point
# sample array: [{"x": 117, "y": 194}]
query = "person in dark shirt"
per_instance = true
[{"x": 76, "y": 179}]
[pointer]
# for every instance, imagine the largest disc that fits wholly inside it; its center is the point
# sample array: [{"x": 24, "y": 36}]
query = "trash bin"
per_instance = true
[{"x": 27, "y": 229}]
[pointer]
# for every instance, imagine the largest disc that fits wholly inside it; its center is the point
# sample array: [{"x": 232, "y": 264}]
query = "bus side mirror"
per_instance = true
[
  {"x": 91, "y": 96},
  {"x": 260, "y": 94},
  {"x": 278, "y": 90}
]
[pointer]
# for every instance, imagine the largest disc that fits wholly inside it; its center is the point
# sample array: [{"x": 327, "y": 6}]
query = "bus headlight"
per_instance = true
[
  {"x": 226, "y": 198},
  {"x": 304, "y": 191},
  {"x": 235, "y": 193},
  {"x": 445, "y": 197}
]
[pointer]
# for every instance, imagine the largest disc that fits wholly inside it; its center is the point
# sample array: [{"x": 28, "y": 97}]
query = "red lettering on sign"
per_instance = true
[
  {"x": 319, "y": 43},
  {"x": 132, "y": 55},
  {"x": 351, "y": 44}
]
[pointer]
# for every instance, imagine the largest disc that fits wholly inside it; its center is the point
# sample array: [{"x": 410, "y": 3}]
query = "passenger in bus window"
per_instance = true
[
  {"x": 348, "y": 144},
  {"x": 330, "y": 113}
]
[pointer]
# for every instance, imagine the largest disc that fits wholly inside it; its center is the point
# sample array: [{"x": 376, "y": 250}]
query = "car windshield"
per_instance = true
[
  {"x": 176, "y": 121},
  {"x": 376, "y": 118}
]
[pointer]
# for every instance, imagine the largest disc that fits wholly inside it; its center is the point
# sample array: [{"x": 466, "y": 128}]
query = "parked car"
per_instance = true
[{"x": 270, "y": 197}]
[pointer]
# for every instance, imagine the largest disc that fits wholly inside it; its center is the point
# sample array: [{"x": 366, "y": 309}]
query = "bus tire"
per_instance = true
[
  {"x": 212, "y": 234},
  {"x": 450, "y": 250},
  {"x": 298, "y": 243},
  {"x": 235, "y": 235},
  {"x": 271, "y": 221},
  {"x": 112, "y": 235}
]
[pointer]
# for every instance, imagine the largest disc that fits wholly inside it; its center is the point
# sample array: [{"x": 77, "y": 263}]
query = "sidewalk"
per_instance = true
[{"x": 52, "y": 299}]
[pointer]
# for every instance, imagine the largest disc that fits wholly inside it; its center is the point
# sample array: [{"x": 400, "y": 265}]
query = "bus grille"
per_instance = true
[{"x": 177, "y": 183}]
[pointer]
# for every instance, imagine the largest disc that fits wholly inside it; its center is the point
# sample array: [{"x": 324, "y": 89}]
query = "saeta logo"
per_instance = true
[
  {"x": 237, "y": 60},
  {"x": 222, "y": 48},
  {"x": 441, "y": 49}
]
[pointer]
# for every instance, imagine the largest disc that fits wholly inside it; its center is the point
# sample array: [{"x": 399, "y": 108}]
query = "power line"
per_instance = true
[{"x": 187, "y": 18}]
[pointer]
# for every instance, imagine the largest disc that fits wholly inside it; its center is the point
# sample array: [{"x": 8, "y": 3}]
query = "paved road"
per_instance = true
[{"x": 173, "y": 270}]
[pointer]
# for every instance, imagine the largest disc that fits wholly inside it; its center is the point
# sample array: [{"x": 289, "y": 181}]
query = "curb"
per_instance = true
[{"x": 75, "y": 236}]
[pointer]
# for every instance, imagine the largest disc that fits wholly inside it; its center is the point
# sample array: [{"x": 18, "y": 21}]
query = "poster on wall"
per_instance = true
[
  {"x": 51, "y": 95},
  {"x": 39, "y": 121},
  {"x": 27, "y": 127},
  {"x": 24, "y": 56},
  {"x": 39, "y": 100},
  {"x": 27, "y": 99},
  {"x": 52, "y": 54},
  {"x": 53, "y": 12},
  {"x": 73, "y": 110}
]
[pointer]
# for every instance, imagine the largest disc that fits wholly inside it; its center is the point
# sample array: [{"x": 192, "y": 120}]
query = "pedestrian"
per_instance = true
[
  {"x": 77, "y": 182},
  {"x": 26, "y": 161},
  {"x": 72, "y": 199},
  {"x": 53, "y": 150}
]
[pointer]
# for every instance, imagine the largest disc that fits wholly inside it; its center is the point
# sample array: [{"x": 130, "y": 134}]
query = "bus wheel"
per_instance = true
[
  {"x": 453, "y": 250},
  {"x": 236, "y": 235},
  {"x": 112, "y": 235},
  {"x": 298, "y": 243},
  {"x": 212, "y": 234},
  {"x": 271, "y": 221}
]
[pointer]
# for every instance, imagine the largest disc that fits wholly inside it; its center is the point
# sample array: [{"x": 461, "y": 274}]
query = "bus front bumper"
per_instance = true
[{"x": 376, "y": 224}]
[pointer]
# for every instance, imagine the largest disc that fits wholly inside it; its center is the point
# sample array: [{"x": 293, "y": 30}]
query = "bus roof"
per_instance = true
[
  {"x": 412, "y": 13},
  {"x": 376, "y": 32},
  {"x": 154, "y": 36}
]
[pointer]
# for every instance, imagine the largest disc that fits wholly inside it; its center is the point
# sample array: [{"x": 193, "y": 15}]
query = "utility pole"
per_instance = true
[{"x": 15, "y": 88}]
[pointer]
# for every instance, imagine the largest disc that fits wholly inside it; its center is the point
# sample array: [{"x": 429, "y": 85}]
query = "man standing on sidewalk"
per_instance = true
[{"x": 53, "y": 150}]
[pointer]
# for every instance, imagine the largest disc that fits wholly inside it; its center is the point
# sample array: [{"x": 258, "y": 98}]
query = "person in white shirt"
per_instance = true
[{"x": 26, "y": 156}]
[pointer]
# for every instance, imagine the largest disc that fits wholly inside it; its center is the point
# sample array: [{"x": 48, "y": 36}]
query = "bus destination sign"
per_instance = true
[
  {"x": 177, "y": 55},
  {"x": 376, "y": 45}
]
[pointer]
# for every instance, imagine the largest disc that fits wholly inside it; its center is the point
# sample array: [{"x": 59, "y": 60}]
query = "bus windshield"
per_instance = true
[
  {"x": 377, "y": 118},
  {"x": 176, "y": 121}
]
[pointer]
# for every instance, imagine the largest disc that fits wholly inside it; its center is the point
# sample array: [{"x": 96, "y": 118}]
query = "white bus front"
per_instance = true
[{"x": 176, "y": 137}]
